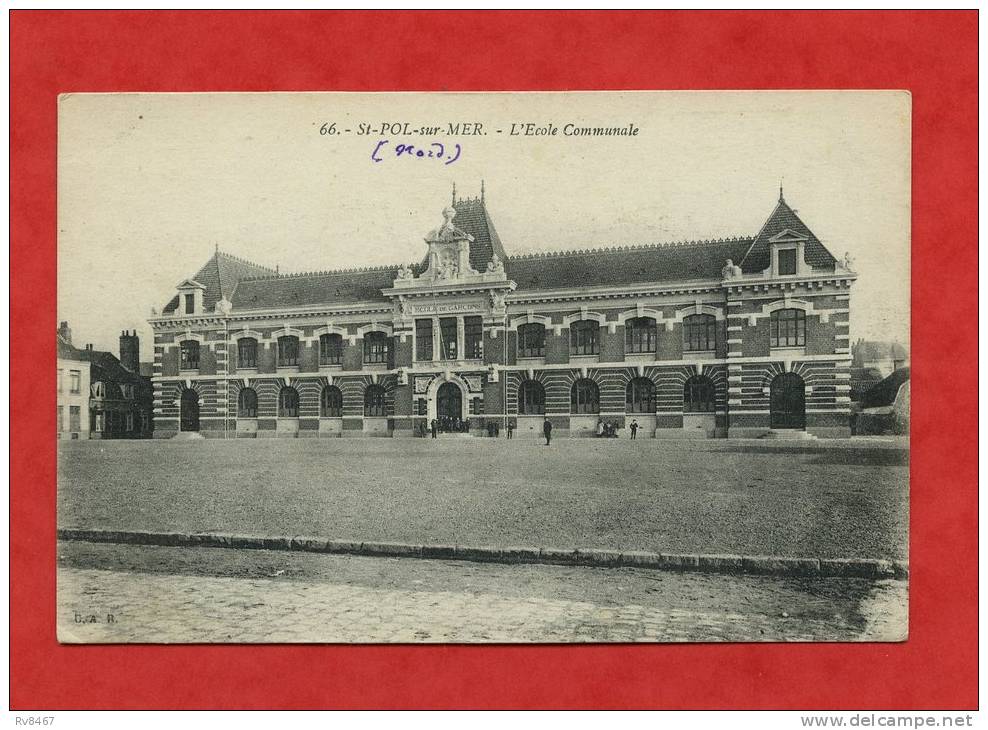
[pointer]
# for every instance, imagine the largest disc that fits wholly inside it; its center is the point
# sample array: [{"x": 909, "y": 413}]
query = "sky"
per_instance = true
[{"x": 150, "y": 184}]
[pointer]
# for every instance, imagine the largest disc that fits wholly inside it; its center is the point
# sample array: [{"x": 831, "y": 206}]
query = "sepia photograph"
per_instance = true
[{"x": 568, "y": 367}]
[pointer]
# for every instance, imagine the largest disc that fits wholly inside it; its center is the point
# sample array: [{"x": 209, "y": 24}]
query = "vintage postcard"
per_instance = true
[{"x": 485, "y": 367}]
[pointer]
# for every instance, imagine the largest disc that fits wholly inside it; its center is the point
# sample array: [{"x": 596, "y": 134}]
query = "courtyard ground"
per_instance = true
[
  {"x": 818, "y": 499},
  {"x": 127, "y": 593}
]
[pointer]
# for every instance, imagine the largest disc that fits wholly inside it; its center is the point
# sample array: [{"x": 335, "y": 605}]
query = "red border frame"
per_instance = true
[{"x": 933, "y": 54}]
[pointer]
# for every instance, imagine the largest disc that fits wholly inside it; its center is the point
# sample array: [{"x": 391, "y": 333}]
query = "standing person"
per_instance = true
[
  {"x": 634, "y": 429},
  {"x": 600, "y": 428},
  {"x": 435, "y": 427},
  {"x": 511, "y": 428},
  {"x": 547, "y": 430},
  {"x": 497, "y": 429}
]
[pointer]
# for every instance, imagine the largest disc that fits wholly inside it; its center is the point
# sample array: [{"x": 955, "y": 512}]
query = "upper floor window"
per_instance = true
[
  {"x": 585, "y": 396},
  {"x": 75, "y": 381},
  {"x": 583, "y": 337},
  {"x": 787, "y": 261},
  {"x": 127, "y": 390},
  {"x": 331, "y": 402},
  {"x": 698, "y": 395},
  {"x": 788, "y": 328},
  {"x": 531, "y": 340},
  {"x": 190, "y": 303},
  {"x": 60, "y": 372},
  {"x": 330, "y": 349},
  {"x": 189, "y": 355},
  {"x": 640, "y": 335},
  {"x": 288, "y": 351},
  {"x": 423, "y": 339},
  {"x": 288, "y": 403},
  {"x": 699, "y": 333},
  {"x": 448, "y": 336},
  {"x": 473, "y": 337},
  {"x": 376, "y": 347},
  {"x": 374, "y": 401},
  {"x": 247, "y": 352},
  {"x": 640, "y": 396},
  {"x": 531, "y": 398},
  {"x": 247, "y": 403}
]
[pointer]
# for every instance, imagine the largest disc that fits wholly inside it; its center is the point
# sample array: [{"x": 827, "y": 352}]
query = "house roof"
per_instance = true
[
  {"x": 625, "y": 265},
  {"x": 324, "y": 287},
  {"x": 884, "y": 393},
  {"x": 249, "y": 286},
  {"x": 219, "y": 278},
  {"x": 758, "y": 257}
]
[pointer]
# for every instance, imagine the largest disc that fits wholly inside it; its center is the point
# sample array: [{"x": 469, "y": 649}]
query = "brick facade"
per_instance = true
[{"x": 721, "y": 339}]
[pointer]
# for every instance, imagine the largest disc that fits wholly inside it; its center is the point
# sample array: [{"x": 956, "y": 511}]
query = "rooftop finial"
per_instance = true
[
  {"x": 481, "y": 191},
  {"x": 217, "y": 248},
  {"x": 781, "y": 199},
  {"x": 454, "y": 193}
]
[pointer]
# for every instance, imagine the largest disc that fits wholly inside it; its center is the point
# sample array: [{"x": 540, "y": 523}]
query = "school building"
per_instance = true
[{"x": 738, "y": 337}]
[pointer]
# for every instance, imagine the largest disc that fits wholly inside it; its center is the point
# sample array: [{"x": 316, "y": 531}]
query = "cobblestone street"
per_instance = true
[{"x": 118, "y": 593}]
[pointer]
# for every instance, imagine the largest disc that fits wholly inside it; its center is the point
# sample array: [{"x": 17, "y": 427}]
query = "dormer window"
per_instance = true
[
  {"x": 787, "y": 261},
  {"x": 190, "y": 293}
]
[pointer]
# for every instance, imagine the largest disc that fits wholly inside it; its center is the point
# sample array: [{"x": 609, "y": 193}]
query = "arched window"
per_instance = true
[
  {"x": 639, "y": 335},
  {"x": 699, "y": 333},
  {"x": 376, "y": 347},
  {"x": 247, "y": 352},
  {"x": 189, "y": 355},
  {"x": 374, "y": 401},
  {"x": 288, "y": 403},
  {"x": 287, "y": 351},
  {"x": 531, "y": 398},
  {"x": 640, "y": 396},
  {"x": 247, "y": 403},
  {"x": 330, "y": 349},
  {"x": 788, "y": 328},
  {"x": 531, "y": 340},
  {"x": 583, "y": 337},
  {"x": 331, "y": 402},
  {"x": 585, "y": 396},
  {"x": 698, "y": 395}
]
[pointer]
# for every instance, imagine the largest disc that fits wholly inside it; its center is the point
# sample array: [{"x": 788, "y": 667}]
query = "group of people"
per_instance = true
[
  {"x": 609, "y": 430},
  {"x": 446, "y": 424}
]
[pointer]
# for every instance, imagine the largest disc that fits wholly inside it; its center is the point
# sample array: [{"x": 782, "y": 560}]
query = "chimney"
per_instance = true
[
  {"x": 130, "y": 351},
  {"x": 65, "y": 332}
]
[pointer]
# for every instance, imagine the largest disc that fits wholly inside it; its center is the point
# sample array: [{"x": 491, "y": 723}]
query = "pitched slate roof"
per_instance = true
[
  {"x": 783, "y": 217},
  {"x": 249, "y": 286},
  {"x": 472, "y": 217},
  {"x": 325, "y": 287},
  {"x": 220, "y": 276},
  {"x": 627, "y": 265}
]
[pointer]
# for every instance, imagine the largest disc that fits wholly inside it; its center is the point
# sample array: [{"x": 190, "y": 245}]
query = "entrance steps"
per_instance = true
[
  {"x": 188, "y": 436},
  {"x": 789, "y": 434},
  {"x": 466, "y": 435}
]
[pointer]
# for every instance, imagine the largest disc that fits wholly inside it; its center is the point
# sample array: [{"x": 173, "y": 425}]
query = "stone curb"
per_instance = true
[{"x": 731, "y": 564}]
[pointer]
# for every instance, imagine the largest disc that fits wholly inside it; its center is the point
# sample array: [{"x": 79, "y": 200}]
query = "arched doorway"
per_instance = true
[
  {"x": 190, "y": 411},
  {"x": 788, "y": 402},
  {"x": 449, "y": 407}
]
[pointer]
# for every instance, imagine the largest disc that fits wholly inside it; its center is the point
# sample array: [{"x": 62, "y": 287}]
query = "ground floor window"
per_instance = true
[
  {"x": 288, "y": 403},
  {"x": 585, "y": 397},
  {"x": 531, "y": 399},
  {"x": 640, "y": 396},
  {"x": 698, "y": 395},
  {"x": 374, "y": 405},
  {"x": 59, "y": 417},
  {"x": 247, "y": 403},
  {"x": 331, "y": 402},
  {"x": 75, "y": 418}
]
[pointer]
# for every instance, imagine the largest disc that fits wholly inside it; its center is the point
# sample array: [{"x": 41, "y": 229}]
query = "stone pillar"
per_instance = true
[{"x": 437, "y": 340}]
